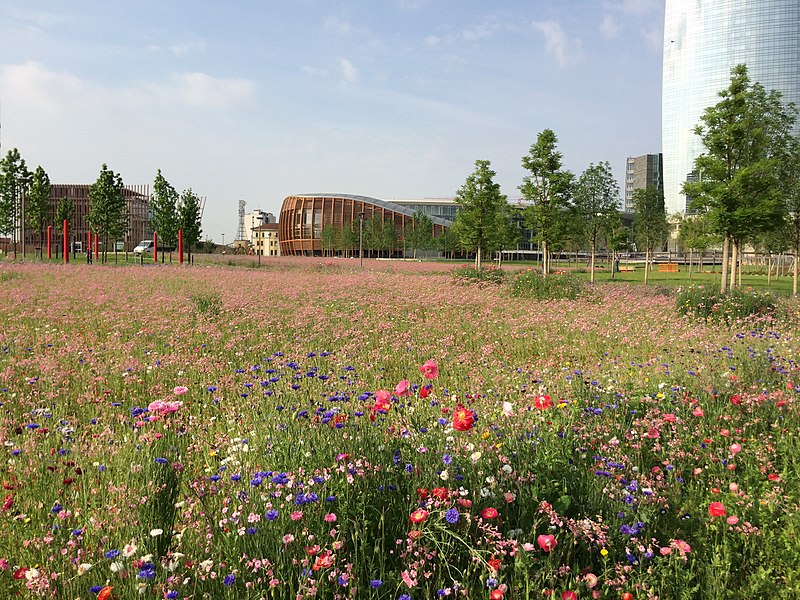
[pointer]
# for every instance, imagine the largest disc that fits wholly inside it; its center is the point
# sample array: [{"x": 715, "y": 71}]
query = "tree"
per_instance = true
[
  {"x": 189, "y": 219},
  {"x": 746, "y": 136},
  {"x": 650, "y": 225},
  {"x": 37, "y": 201},
  {"x": 483, "y": 222},
  {"x": 164, "y": 204},
  {"x": 790, "y": 181},
  {"x": 548, "y": 189},
  {"x": 695, "y": 234},
  {"x": 328, "y": 236},
  {"x": 14, "y": 180},
  {"x": 596, "y": 205},
  {"x": 64, "y": 211},
  {"x": 421, "y": 234},
  {"x": 346, "y": 239},
  {"x": 107, "y": 209}
]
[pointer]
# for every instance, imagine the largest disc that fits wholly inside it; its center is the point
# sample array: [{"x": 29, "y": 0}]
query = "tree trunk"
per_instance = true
[
  {"x": 545, "y": 260},
  {"x": 591, "y": 265},
  {"x": 769, "y": 269},
  {"x": 646, "y": 265},
  {"x": 794, "y": 273},
  {"x": 726, "y": 244},
  {"x": 690, "y": 262},
  {"x": 740, "y": 257},
  {"x": 478, "y": 259}
]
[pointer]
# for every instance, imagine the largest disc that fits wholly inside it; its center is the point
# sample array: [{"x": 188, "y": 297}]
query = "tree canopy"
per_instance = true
[
  {"x": 596, "y": 204},
  {"x": 108, "y": 216},
  {"x": 14, "y": 180},
  {"x": 164, "y": 206}
]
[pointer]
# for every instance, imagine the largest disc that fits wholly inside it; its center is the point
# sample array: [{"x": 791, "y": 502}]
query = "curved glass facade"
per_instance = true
[{"x": 703, "y": 40}]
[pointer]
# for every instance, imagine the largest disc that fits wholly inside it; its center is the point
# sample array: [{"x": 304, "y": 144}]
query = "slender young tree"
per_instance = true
[
  {"x": 108, "y": 216},
  {"x": 421, "y": 234},
  {"x": 649, "y": 223},
  {"x": 14, "y": 180},
  {"x": 596, "y": 201},
  {"x": 695, "y": 234},
  {"x": 790, "y": 183},
  {"x": 328, "y": 238},
  {"x": 746, "y": 136},
  {"x": 548, "y": 189},
  {"x": 483, "y": 221},
  {"x": 189, "y": 216},
  {"x": 37, "y": 202},
  {"x": 164, "y": 205}
]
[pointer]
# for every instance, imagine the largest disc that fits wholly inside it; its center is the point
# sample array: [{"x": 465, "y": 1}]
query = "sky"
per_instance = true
[{"x": 258, "y": 100}]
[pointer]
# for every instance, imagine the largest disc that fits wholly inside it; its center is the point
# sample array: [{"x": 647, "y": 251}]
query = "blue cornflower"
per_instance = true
[
  {"x": 229, "y": 579},
  {"x": 375, "y": 583},
  {"x": 452, "y": 516},
  {"x": 112, "y": 554},
  {"x": 251, "y": 531},
  {"x": 491, "y": 583},
  {"x": 147, "y": 571},
  {"x": 271, "y": 515},
  {"x": 172, "y": 594},
  {"x": 95, "y": 589},
  {"x": 447, "y": 459},
  {"x": 404, "y": 597}
]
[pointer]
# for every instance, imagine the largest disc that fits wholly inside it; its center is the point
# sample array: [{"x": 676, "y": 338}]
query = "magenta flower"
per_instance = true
[{"x": 430, "y": 369}]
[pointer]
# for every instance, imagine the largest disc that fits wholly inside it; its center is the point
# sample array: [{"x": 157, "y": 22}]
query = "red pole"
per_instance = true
[
  {"x": 66, "y": 250},
  {"x": 89, "y": 243},
  {"x": 155, "y": 247},
  {"x": 49, "y": 242},
  {"x": 180, "y": 246},
  {"x": 96, "y": 247}
]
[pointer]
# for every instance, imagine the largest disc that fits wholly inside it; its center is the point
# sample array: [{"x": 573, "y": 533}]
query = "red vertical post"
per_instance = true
[
  {"x": 64, "y": 246},
  {"x": 49, "y": 242},
  {"x": 89, "y": 244},
  {"x": 155, "y": 247},
  {"x": 180, "y": 246},
  {"x": 96, "y": 247}
]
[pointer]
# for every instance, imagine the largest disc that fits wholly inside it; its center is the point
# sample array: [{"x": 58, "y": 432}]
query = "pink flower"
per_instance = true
[
  {"x": 732, "y": 520},
  {"x": 401, "y": 389},
  {"x": 296, "y": 515},
  {"x": 569, "y": 595},
  {"x": 179, "y": 390},
  {"x": 508, "y": 409},
  {"x": 288, "y": 538},
  {"x": 330, "y": 518},
  {"x": 430, "y": 369},
  {"x": 546, "y": 542},
  {"x": 735, "y": 448},
  {"x": 670, "y": 418},
  {"x": 160, "y": 407},
  {"x": 682, "y": 547},
  {"x": 698, "y": 412}
]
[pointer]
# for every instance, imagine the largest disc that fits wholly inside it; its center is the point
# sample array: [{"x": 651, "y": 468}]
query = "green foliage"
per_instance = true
[
  {"x": 207, "y": 303},
  {"x": 164, "y": 204},
  {"x": 64, "y": 211},
  {"x": 650, "y": 218},
  {"x": 470, "y": 275},
  {"x": 189, "y": 212},
  {"x": 14, "y": 179},
  {"x": 420, "y": 237},
  {"x": 37, "y": 201},
  {"x": 107, "y": 208},
  {"x": 707, "y": 303},
  {"x": 556, "y": 286},
  {"x": 483, "y": 222}
]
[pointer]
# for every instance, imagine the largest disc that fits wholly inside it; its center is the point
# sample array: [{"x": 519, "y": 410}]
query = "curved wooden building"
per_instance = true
[{"x": 304, "y": 218}]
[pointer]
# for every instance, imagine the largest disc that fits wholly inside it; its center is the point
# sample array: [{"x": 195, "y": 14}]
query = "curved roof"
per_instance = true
[{"x": 376, "y": 202}]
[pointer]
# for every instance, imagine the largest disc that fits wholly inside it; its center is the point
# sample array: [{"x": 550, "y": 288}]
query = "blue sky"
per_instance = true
[{"x": 257, "y": 100}]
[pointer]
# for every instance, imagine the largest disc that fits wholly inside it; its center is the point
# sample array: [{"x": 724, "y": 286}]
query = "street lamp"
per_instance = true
[
  {"x": 23, "y": 182},
  {"x": 361, "y": 239},
  {"x": 223, "y": 242}
]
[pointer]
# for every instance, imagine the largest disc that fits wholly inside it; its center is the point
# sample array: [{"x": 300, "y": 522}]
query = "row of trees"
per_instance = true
[
  {"x": 747, "y": 184},
  {"x": 562, "y": 210},
  {"x": 25, "y": 203}
]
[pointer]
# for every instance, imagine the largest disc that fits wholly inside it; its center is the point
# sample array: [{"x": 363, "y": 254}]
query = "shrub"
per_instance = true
[
  {"x": 468, "y": 275},
  {"x": 556, "y": 286},
  {"x": 709, "y": 304}
]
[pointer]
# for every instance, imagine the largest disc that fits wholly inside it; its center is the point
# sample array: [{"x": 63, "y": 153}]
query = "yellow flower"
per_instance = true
[{"x": 603, "y": 552}]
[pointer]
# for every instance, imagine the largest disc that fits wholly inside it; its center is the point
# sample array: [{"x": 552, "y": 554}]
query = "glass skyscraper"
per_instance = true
[{"x": 703, "y": 40}]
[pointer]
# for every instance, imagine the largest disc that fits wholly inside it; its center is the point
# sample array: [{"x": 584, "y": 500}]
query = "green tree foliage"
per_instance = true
[
  {"x": 189, "y": 217},
  {"x": 164, "y": 204},
  {"x": 108, "y": 216},
  {"x": 37, "y": 201},
  {"x": 650, "y": 225},
  {"x": 14, "y": 179},
  {"x": 483, "y": 222},
  {"x": 790, "y": 186},
  {"x": 695, "y": 233},
  {"x": 420, "y": 236},
  {"x": 347, "y": 239},
  {"x": 746, "y": 136},
  {"x": 64, "y": 211},
  {"x": 328, "y": 238},
  {"x": 596, "y": 205},
  {"x": 548, "y": 189}
]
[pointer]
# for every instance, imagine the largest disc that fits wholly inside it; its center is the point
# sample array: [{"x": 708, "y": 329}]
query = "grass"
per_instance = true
[{"x": 298, "y": 464}]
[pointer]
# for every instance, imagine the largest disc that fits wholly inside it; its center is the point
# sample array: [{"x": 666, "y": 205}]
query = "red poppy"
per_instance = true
[
  {"x": 542, "y": 402},
  {"x": 569, "y": 595},
  {"x": 489, "y": 513},
  {"x": 422, "y": 493},
  {"x": 440, "y": 493},
  {"x": 423, "y": 392},
  {"x": 494, "y": 564},
  {"x": 419, "y": 515},
  {"x": 106, "y": 593},
  {"x": 430, "y": 369},
  {"x": 716, "y": 509},
  {"x": 496, "y": 594},
  {"x": 546, "y": 542},
  {"x": 463, "y": 419},
  {"x": 323, "y": 561},
  {"x": 8, "y": 502}
]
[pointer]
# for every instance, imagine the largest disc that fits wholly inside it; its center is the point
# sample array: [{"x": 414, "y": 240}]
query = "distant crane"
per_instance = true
[{"x": 240, "y": 233}]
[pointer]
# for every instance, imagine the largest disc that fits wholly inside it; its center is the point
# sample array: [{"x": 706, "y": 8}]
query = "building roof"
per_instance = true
[
  {"x": 376, "y": 202},
  {"x": 266, "y": 227}
]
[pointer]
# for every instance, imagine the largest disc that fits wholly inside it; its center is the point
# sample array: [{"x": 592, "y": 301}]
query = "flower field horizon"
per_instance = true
[{"x": 313, "y": 430}]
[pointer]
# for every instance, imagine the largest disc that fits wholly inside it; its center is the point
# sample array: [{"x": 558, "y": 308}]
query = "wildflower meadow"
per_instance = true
[{"x": 316, "y": 430}]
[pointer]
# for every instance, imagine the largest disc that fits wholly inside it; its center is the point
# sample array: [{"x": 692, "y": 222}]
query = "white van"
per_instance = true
[{"x": 144, "y": 247}]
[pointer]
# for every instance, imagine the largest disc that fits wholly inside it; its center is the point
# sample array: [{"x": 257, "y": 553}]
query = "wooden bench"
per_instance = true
[
  {"x": 626, "y": 268},
  {"x": 668, "y": 268}
]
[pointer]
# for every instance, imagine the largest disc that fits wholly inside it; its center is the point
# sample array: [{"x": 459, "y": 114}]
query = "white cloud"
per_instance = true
[
  {"x": 349, "y": 71},
  {"x": 36, "y": 87},
  {"x": 314, "y": 71},
  {"x": 199, "y": 89},
  {"x": 633, "y": 7},
  {"x": 333, "y": 23},
  {"x": 609, "y": 27},
  {"x": 432, "y": 40},
  {"x": 188, "y": 47},
  {"x": 565, "y": 50},
  {"x": 655, "y": 39}
]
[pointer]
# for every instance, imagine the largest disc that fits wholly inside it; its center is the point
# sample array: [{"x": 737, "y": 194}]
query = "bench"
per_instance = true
[
  {"x": 668, "y": 268},
  {"x": 626, "y": 268}
]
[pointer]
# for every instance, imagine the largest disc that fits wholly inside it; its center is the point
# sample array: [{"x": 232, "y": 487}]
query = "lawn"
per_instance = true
[{"x": 311, "y": 429}]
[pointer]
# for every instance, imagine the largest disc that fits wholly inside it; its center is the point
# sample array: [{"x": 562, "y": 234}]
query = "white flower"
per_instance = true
[
  {"x": 84, "y": 568},
  {"x": 116, "y": 566},
  {"x": 443, "y": 475},
  {"x": 156, "y": 532},
  {"x": 475, "y": 457},
  {"x": 507, "y": 468}
]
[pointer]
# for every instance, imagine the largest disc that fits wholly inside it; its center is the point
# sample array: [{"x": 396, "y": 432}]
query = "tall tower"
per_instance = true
[
  {"x": 703, "y": 41},
  {"x": 240, "y": 233}
]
